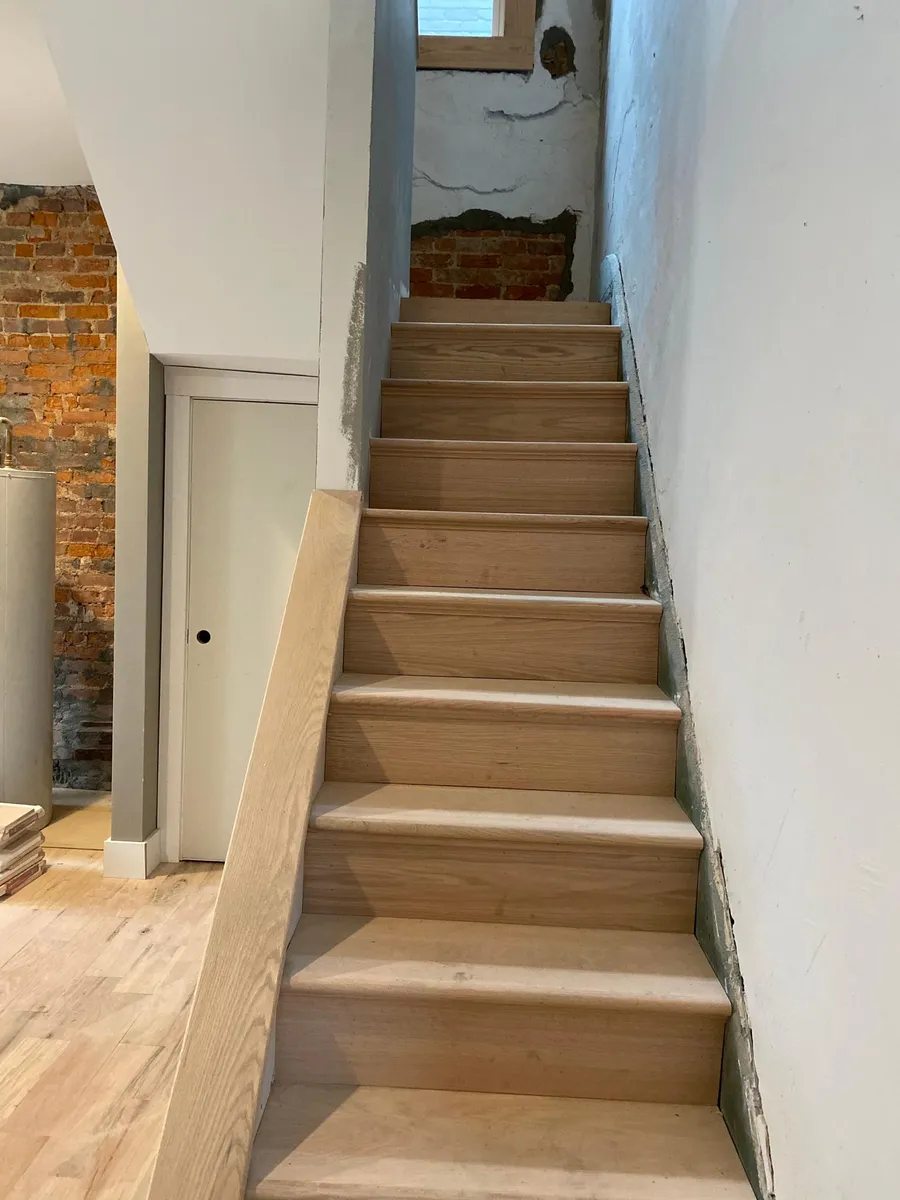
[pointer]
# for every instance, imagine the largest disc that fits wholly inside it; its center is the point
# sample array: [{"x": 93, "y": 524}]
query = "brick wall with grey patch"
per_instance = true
[
  {"x": 482, "y": 255},
  {"x": 58, "y": 387}
]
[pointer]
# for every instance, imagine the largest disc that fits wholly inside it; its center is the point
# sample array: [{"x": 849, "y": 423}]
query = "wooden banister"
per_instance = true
[{"x": 208, "y": 1133}]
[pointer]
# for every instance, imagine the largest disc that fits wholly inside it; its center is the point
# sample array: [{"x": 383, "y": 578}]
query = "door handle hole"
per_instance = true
[{"x": 203, "y": 636}]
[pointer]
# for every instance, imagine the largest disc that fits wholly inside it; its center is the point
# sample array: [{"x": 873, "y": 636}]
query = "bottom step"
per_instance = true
[{"x": 404, "y": 1144}]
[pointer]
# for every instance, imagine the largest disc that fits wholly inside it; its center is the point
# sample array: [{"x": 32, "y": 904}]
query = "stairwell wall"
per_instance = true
[
  {"x": 497, "y": 146},
  {"x": 750, "y": 188}
]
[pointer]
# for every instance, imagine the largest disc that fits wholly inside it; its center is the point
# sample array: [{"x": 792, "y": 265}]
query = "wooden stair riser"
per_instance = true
[
  {"x": 611, "y": 887},
  {"x": 544, "y": 1049},
  {"x": 599, "y": 754},
  {"x": 524, "y": 412},
  {"x": 480, "y": 351},
  {"x": 565, "y": 556},
  {"x": 503, "y": 477},
  {"x": 399, "y": 640},
  {"x": 515, "y": 312}
]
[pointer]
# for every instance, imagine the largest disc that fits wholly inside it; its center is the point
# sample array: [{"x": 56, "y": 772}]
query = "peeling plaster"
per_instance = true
[{"x": 528, "y": 142}]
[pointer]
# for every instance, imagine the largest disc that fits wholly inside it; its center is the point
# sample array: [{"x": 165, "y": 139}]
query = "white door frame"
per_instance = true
[{"x": 184, "y": 385}]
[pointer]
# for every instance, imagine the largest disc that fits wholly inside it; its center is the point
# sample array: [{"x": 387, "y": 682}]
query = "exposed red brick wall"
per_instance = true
[
  {"x": 58, "y": 386},
  {"x": 486, "y": 264}
]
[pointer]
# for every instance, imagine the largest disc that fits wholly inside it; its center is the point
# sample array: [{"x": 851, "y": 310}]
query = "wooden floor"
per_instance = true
[
  {"x": 81, "y": 825},
  {"x": 96, "y": 977}
]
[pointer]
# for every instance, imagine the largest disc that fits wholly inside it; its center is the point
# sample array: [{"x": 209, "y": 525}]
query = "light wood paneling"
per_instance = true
[
  {"x": 427, "y": 1004},
  {"x": 97, "y": 975},
  {"x": 478, "y": 736},
  {"x": 474, "y": 550},
  {"x": 382, "y": 1143},
  {"x": 496, "y": 635},
  {"x": 496, "y": 312},
  {"x": 446, "y": 853},
  {"x": 420, "y": 350},
  {"x": 205, "y": 1148},
  {"x": 512, "y": 477},
  {"x": 504, "y": 411}
]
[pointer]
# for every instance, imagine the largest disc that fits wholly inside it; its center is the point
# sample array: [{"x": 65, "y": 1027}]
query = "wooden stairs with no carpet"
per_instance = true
[{"x": 494, "y": 990}]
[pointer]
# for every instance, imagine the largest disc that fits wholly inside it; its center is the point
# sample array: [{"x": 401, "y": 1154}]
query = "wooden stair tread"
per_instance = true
[
  {"x": 570, "y": 312},
  {"x": 510, "y": 964},
  {"x": 510, "y": 602},
  {"x": 501, "y": 328},
  {"x": 511, "y": 814},
  {"x": 488, "y": 448},
  {"x": 375, "y": 1143},
  {"x": 547, "y": 522},
  {"x": 507, "y": 697},
  {"x": 543, "y": 388}
]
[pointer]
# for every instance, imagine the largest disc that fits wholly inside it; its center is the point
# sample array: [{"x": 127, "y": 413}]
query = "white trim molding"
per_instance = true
[
  {"x": 132, "y": 860},
  {"x": 201, "y": 383}
]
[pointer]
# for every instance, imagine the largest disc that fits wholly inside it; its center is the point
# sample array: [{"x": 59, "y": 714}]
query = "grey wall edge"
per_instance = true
[{"x": 740, "y": 1097}]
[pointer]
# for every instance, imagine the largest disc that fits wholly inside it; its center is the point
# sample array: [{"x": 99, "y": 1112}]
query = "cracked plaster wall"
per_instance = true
[
  {"x": 752, "y": 195},
  {"x": 519, "y": 145}
]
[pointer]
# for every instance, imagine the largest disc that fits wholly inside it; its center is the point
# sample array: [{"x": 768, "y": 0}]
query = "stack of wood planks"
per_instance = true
[{"x": 21, "y": 846}]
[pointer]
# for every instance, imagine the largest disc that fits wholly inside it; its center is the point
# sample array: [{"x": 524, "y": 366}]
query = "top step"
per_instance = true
[
  {"x": 500, "y": 312},
  {"x": 428, "y": 350}
]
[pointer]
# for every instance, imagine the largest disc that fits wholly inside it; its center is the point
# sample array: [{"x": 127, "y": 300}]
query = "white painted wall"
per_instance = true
[
  {"x": 365, "y": 263},
  {"x": 38, "y": 143},
  {"x": 204, "y": 128},
  {"x": 519, "y": 145},
  {"x": 752, "y": 193}
]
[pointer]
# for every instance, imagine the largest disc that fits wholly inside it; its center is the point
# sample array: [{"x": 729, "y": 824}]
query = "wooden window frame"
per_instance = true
[{"x": 512, "y": 49}]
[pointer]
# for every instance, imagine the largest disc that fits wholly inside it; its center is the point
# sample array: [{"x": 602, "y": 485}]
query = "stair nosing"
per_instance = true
[
  {"x": 550, "y": 522},
  {"x": 403, "y": 383},
  {"x": 485, "y": 448},
  {"x": 408, "y": 979},
  {"x": 526, "y": 328},
  {"x": 513, "y": 604},
  {"x": 675, "y": 836},
  {"x": 515, "y": 699}
]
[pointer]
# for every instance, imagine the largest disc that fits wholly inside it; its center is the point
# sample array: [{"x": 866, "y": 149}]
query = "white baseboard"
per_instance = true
[{"x": 131, "y": 860}]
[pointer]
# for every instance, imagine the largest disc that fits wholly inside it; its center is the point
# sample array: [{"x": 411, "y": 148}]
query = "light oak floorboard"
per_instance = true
[
  {"x": 86, "y": 1069},
  {"x": 79, "y": 827}
]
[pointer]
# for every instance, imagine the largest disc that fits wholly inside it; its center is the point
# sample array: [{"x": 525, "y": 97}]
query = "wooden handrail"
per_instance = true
[{"x": 211, "y": 1120}]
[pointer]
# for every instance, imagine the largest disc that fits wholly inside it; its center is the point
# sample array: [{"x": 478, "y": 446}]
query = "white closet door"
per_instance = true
[{"x": 252, "y": 474}]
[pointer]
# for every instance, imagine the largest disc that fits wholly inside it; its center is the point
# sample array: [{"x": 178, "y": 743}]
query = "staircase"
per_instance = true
[{"x": 494, "y": 990}]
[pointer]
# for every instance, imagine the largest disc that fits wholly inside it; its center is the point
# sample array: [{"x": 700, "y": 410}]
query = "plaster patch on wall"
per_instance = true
[
  {"x": 527, "y": 141},
  {"x": 351, "y": 392}
]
